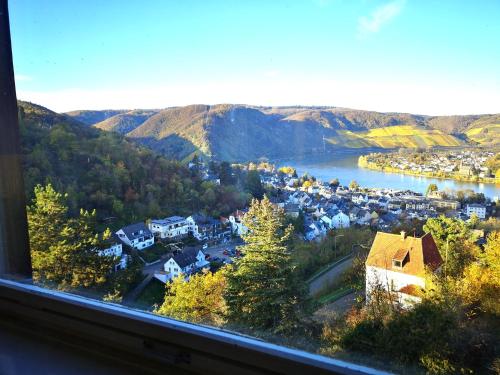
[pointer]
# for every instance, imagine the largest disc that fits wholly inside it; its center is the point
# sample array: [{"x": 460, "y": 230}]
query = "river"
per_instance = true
[{"x": 344, "y": 166}]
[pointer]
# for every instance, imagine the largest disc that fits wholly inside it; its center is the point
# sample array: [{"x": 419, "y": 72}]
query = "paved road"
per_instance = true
[
  {"x": 330, "y": 276},
  {"x": 149, "y": 271}
]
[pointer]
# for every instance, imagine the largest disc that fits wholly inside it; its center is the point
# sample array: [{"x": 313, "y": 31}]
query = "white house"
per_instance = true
[
  {"x": 183, "y": 263},
  {"x": 340, "y": 220},
  {"x": 359, "y": 199},
  {"x": 397, "y": 263},
  {"x": 477, "y": 209},
  {"x": 136, "y": 235},
  {"x": 236, "y": 221},
  {"x": 115, "y": 249},
  {"x": 171, "y": 227}
]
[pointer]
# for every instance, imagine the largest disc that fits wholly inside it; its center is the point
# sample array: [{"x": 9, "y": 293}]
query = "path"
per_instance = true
[{"x": 327, "y": 278}]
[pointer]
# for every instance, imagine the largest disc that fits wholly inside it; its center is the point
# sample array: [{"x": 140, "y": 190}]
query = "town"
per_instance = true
[
  {"x": 177, "y": 245},
  {"x": 464, "y": 164}
]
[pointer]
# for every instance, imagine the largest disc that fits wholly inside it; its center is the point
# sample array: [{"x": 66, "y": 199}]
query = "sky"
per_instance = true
[{"x": 419, "y": 56}]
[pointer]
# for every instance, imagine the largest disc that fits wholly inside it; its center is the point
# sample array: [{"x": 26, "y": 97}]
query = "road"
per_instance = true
[
  {"x": 149, "y": 270},
  {"x": 330, "y": 276}
]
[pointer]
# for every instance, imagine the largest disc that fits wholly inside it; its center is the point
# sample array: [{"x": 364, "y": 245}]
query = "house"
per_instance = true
[
  {"x": 316, "y": 230},
  {"x": 397, "y": 263},
  {"x": 340, "y": 220},
  {"x": 292, "y": 210},
  {"x": 204, "y": 228},
  {"x": 477, "y": 209},
  {"x": 445, "y": 204},
  {"x": 114, "y": 248},
  {"x": 359, "y": 199},
  {"x": 363, "y": 217},
  {"x": 173, "y": 227},
  {"x": 236, "y": 220},
  {"x": 185, "y": 263},
  {"x": 137, "y": 236}
]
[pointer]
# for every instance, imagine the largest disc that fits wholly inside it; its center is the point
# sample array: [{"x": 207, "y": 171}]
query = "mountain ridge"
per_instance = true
[{"x": 239, "y": 132}]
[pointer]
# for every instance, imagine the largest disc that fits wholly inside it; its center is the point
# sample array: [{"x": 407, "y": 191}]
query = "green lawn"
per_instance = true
[
  {"x": 152, "y": 294},
  {"x": 154, "y": 252},
  {"x": 335, "y": 295}
]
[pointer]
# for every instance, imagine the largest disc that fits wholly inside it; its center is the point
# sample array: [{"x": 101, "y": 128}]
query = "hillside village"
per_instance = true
[
  {"x": 321, "y": 207},
  {"x": 463, "y": 164}
]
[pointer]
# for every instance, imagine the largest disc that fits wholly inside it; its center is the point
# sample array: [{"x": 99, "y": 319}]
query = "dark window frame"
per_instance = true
[{"x": 124, "y": 334}]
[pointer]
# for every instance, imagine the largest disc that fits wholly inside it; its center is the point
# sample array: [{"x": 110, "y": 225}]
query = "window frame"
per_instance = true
[{"x": 109, "y": 329}]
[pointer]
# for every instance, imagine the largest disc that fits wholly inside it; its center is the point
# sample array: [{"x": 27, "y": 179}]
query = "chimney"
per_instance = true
[{"x": 403, "y": 234}]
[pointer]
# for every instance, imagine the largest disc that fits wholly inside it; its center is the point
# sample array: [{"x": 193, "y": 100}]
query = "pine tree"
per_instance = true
[
  {"x": 64, "y": 250},
  {"x": 263, "y": 292}
]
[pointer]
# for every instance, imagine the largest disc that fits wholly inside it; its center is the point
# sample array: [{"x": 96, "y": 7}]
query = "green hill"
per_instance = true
[
  {"x": 107, "y": 172},
  {"x": 240, "y": 132}
]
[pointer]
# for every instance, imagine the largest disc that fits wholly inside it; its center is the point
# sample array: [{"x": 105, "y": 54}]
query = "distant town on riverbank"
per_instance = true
[{"x": 474, "y": 165}]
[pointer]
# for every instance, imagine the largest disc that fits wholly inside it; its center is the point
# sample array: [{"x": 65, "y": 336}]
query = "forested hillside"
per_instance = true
[
  {"x": 103, "y": 171},
  {"x": 243, "y": 133}
]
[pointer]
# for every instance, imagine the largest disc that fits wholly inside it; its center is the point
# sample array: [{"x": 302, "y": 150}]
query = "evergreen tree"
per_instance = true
[
  {"x": 263, "y": 291},
  {"x": 254, "y": 184},
  {"x": 64, "y": 250},
  {"x": 226, "y": 174}
]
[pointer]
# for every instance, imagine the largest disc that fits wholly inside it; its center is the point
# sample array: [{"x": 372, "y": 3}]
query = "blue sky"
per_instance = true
[{"x": 420, "y": 56}]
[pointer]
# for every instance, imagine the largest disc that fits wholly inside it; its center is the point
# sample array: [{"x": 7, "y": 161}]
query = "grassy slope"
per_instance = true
[
  {"x": 238, "y": 132},
  {"x": 395, "y": 136},
  {"x": 485, "y": 131}
]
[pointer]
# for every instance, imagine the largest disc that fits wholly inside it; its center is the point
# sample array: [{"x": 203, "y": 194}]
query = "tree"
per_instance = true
[
  {"x": 198, "y": 300},
  {"x": 431, "y": 189},
  {"x": 334, "y": 183},
  {"x": 263, "y": 291},
  {"x": 64, "y": 250},
  {"x": 481, "y": 280},
  {"x": 226, "y": 173},
  {"x": 254, "y": 184},
  {"x": 454, "y": 241},
  {"x": 353, "y": 185}
]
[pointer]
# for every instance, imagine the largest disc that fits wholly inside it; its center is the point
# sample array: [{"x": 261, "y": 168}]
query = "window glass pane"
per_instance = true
[{"x": 318, "y": 174}]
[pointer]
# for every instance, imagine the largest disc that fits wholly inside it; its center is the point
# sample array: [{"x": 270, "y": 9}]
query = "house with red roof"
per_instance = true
[{"x": 398, "y": 263}]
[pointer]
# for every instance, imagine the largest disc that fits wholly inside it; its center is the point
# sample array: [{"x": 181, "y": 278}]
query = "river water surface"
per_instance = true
[{"x": 345, "y": 168}]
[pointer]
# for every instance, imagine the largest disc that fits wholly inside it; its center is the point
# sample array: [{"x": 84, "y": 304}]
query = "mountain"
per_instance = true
[
  {"x": 101, "y": 170},
  {"x": 485, "y": 131},
  {"x": 240, "y": 132},
  {"x": 92, "y": 117},
  {"x": 125, "y": 122}
]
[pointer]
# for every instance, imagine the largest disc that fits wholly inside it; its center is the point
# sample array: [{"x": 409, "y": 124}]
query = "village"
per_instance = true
[
  {"x": 177, "y": 245},
  {"x": 463, "y": 164}
]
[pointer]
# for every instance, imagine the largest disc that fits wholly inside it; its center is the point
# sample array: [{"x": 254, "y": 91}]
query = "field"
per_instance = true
[
  {"x": 485, "y": 135},
  {"x": 411, "y": 136}
]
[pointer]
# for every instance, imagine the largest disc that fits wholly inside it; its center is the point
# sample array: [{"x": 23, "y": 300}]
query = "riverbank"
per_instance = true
[{"x": 364, "y": 163}]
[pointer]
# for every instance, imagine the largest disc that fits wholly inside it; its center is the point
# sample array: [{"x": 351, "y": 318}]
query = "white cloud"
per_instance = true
[
  {"x": 380, "y": 16},
  {"x": 22, "y": 78}
]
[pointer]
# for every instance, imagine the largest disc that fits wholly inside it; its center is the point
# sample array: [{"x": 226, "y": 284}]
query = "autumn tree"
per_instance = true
[
  {"x": 454, "y": 240},
  {"x": 64, "y": 249},
  {"x": 481, "y": 279},
  {"x": 263, "y": 292},
  {"x": 198, "y": 300},
  {"x": 431, "y": 189},
  {"x": 353, "y": 185}
]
